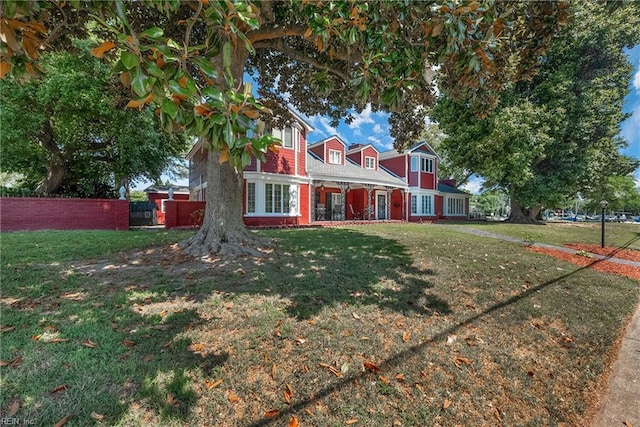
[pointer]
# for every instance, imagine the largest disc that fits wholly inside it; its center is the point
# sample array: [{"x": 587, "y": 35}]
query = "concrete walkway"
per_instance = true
[{"x": 621, "y": 399}]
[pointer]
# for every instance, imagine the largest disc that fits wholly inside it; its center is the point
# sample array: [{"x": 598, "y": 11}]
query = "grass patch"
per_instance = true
[
  {"x": 616, "y": 234},
  {"x": 464, "y": 330}
]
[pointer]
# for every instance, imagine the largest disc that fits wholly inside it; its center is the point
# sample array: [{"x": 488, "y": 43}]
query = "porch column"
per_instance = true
[
  {"x": 369, "y": 187},
  {"x": 343, "y": 199},
  {"x": 404, "y": 202},
  {"x": 313, "y": 203},
  {"x": 389, "y": 190}
]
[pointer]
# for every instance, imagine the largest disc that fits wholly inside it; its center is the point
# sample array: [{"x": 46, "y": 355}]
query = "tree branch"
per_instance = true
[
  {"x": 275, "y": 32},
  {"x": 280, "y": 46}
]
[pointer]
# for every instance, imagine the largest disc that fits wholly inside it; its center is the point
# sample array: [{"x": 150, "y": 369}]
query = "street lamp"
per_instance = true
[{"x": 603, "y": 205}]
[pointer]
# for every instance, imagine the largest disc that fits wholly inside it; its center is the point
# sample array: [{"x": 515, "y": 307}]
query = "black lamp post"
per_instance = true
[{"x": 603, "y": 205}]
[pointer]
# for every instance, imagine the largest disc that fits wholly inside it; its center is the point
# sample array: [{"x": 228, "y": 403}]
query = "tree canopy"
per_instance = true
[
  {"x": 186, "y": 59},
  {"x": 68, "y": 132},
  {"x": 558, "y": 133}
]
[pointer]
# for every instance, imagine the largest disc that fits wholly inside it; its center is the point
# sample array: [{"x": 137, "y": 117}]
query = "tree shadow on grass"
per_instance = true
[{"x": 316, "y": 268}]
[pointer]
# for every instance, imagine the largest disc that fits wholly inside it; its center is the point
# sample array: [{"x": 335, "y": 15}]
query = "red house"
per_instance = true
[
  {"x": 159, "y": 194},
  {"x": 331, "y": 181}
]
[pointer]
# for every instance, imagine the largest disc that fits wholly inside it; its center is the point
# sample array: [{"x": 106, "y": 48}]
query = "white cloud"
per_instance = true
[
  {"x": 636, "y": 80},
  {"x": 377, "y": 128},
  {"x": 362, "y": 118},
  {"x": 372, "y": 139},
  {"x": 386, "y": 146},
  {"x": 474, "y": 185}
]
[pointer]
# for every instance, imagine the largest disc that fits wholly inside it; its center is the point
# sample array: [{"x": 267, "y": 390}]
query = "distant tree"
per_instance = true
[
  {"x": 620, "y": 192},
  {"x": 138, "y": 196},
  {"x": 78, "y": 138},
  {"x": 186, "y": 60},
  {"x": 556, "y": 134},
  {"x": 490, "y": 201}
]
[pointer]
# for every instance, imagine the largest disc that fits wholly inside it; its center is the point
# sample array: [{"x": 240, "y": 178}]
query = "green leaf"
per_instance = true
[
  {"x": 129, "y": 59},
  {"x": 228, "y": 134},
  {"x": 153, "y": 33},
  {"x": 226, "y": 55},
  {"x": 170, "y": 108},
  {"x": 139, "y": 83}
]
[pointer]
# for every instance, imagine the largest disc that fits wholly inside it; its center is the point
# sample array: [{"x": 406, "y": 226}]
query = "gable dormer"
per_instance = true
[
  {"x": 366, "y": 156},
  {"x": 330, "y": 150}
]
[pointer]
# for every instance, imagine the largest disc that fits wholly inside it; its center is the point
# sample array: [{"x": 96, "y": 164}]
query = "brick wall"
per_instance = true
[
  {"x": 31, "y": 213},
  {"x": 180, "y": 213}
]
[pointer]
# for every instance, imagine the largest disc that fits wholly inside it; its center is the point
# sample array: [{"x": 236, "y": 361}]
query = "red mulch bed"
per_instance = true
[{"x": 604, "y": 266}]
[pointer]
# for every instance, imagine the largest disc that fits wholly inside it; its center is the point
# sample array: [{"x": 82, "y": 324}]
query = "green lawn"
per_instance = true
[
  {"x": 464, "y": 330},
  {"x": 616, "y": 234}
]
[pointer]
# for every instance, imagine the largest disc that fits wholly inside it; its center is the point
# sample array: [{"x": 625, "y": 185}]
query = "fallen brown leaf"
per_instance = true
[
  {"x": 351, "y": 421},
  {"x": 300, "y": 341},
  {"x": 293, "y": 421},
  {"x": 276, "y": 330},
  {"x": 59, "y": 388},
  {"x": 147, "y": 358},
  {"x": 213, "y": 384},
  {"x": 128, "y": 343},
  {"x": 273, "y": 413},
  {"x": 446, "y": 404},
  {"x": 97, "y": 417},
  {"x": 13, "y": 362},
  {"x": 355, "y": 316},
  {"x": 384, "y": 379},
  {"x": 406, "y": 336},
  {"x": 36, "y": 337},
  {"x": 371, "y": 367},
  {"x": 63, "y": 421},
  {"x": 172, "y": 400},
  {"x": 627, "y": 424},
  {"x": 233, "y": 398},
  {"x": 6, "y": 328},
  {"x": 89, "y": 343},
  {"x": 274, "y": 371},
  {"x": 288, "y": 394},
  {"x": 459, "y": 361},
  {"x": 114, "y": 325},
  {"x": 331, "y": 369},
  {"x": 13, "y": 408},
  {"x": 55, "y": 340}
]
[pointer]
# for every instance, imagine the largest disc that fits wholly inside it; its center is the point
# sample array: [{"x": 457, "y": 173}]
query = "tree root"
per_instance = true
[{"x": 232, "y": 244}]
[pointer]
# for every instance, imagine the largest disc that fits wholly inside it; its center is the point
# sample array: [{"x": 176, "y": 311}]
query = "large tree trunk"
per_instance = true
[
  {"x": 57, "y": 162},
  {"x": 519, "y": 215},
  {"x": 55, "y": 174},
  {"x": 223, "y": 232}
]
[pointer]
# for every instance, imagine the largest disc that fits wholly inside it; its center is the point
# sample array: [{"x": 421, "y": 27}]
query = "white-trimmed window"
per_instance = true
[
  {"x": 276, "y": 198},
  {"x": 335, "y": 157},
  {"x": 455, "y": 206},
  {"x": 287, "y": 140},
  {"x": 163, "y": 206},
  {"x": 426, "y": 165},
  {"x": 426, "y": 205},
  {"x": 251, "y": 197},
  {"x": 286, "y": 135},
  {"x": 414, "y": 164},
  {"x": 414, "y": 204},
  {"x": 369, "y": 162}
]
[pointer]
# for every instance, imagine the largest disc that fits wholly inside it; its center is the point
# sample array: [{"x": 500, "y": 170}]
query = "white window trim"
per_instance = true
[
  {"x": 460, "y": 201},
  {"x": 418, "y": 205},
  {"x": 337, "y": 153},
  {"x": 417, "y": 165},
  {"x": 366, "y": 162},
  {"x": 260, "y": 201}
]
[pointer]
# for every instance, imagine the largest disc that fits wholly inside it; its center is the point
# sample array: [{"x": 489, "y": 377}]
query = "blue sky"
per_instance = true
[{"x": 373, "y": 128}]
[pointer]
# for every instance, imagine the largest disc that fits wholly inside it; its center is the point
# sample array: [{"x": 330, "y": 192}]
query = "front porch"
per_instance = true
[{"x": 342, "y": 201}]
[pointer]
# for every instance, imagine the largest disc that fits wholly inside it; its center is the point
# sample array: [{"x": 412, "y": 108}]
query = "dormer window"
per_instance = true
[
  {"x": 426, "y": 165},
  {"x": 287, "y": 140},
  {"x": 369, "y": 162},
  {"x": 335, "y": 157},
  {"x": 286, "y": 136}
]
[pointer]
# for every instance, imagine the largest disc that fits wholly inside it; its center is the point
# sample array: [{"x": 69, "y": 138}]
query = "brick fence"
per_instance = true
[
  {"x": 181, "y": 213},
  {"x": 32, "y": 213}
]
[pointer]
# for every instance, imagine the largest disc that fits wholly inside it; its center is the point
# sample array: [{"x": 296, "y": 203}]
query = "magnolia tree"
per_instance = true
[{"x": 186, "y": 61}]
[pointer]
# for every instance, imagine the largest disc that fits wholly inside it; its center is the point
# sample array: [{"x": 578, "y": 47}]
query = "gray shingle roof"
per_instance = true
[
  {"x": 444, "y": 188},
  {"x": 350, "y": 172}
]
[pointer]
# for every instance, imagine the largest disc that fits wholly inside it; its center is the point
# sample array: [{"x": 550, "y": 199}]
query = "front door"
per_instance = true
[
  {"x": 381, "y": 205},
  {"x": 336, "y": 207}
]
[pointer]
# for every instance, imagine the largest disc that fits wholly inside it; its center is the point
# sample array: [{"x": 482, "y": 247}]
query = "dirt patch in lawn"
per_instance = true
[{"x": 601, "y": 265}]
